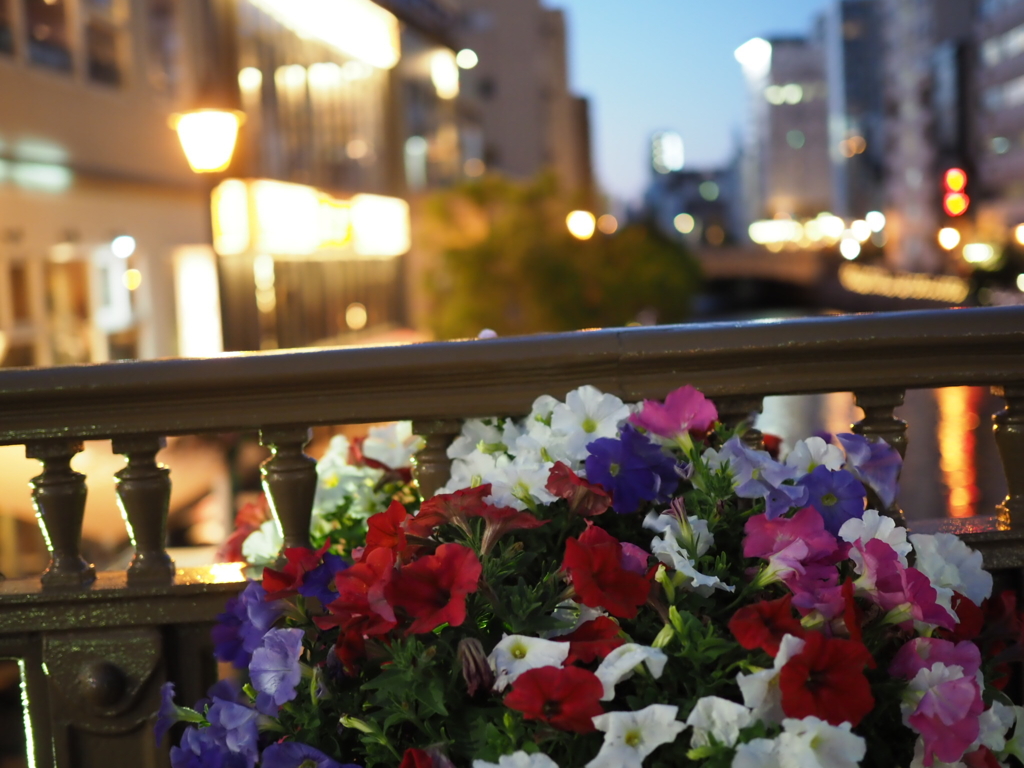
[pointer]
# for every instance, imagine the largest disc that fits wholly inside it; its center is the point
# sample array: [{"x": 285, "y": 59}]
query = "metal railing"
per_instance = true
[{"x": 94, "y": 648}]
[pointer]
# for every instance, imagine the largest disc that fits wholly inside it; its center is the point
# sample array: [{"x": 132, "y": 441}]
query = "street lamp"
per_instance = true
[{"x": 208, "y": 137}]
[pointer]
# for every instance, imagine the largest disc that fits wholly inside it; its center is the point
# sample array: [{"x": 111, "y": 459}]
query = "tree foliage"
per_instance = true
[{"x": 507, "y": 262}]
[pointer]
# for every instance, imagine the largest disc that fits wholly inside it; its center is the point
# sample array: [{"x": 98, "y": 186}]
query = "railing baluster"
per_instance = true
[
  {"x": 58, "y": 495},
  {"x": 432, "y": 466},
  {"x": 144, "y": 495},
  {"x": 1008, "y": 426},
  {"x": 733, "y": 411},
  {"x": 879, "y": 406},
  {"x": 289, "y": 478}
]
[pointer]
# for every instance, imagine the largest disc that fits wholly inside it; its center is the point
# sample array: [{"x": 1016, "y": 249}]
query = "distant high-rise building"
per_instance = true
[{"x": 519, "y": 92}]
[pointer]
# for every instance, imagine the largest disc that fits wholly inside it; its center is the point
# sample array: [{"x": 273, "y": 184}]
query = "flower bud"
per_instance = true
[{"x": 476, "y": 670}]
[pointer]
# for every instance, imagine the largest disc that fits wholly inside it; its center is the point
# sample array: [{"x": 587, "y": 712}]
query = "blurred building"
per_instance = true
[
  {"x": 855, "y": 60},
  {"x": 529, "y": 120},
  {"x": 786, "y": 166},
  {"x": 105, "y": 231}
]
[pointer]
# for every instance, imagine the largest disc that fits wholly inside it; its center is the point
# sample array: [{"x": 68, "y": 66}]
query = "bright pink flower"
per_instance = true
[
  {"x": 634, "y": 558},
  {"x": 818, "y": 589},
  {"x": 686, "y": 411},
  {"x": 895, "y": 587},
  {"x": 765, "y": 537},
  {"x": 921, "y": 652}
]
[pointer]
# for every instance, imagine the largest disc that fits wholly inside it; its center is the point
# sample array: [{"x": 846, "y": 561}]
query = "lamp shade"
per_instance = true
[{"x": 208, "y": 137}]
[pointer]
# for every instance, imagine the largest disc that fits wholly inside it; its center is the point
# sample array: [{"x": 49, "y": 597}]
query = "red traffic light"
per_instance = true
[
  {"x": 955, "y": 180},
  {"x": 956, "y": 203}
]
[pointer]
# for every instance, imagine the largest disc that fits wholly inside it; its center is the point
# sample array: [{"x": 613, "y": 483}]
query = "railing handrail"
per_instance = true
[{"x": 447, "y": 380}]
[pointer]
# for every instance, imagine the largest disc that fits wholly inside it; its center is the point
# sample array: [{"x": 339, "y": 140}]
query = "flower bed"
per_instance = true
[{"x": 604, "y": 585}]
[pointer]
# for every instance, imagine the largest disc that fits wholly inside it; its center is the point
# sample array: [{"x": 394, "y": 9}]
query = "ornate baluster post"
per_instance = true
[
  {"x": 144, "y": 495},
  {"x": 1008, "y": 426},
  {"x": 432, "y": 466},
  {"x": 58, "y": 495},
  {"x": 734, "y": 411},
  {"x": 880, "y": 421},
  {"x": 289, "y": 479}
]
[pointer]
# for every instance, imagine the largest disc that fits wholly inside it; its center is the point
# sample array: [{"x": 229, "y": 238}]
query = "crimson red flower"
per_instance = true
[
  {"x": 826, "y": 680},
  {"x": 970, "y": 619},
  {"x": 433, "y": 589},
  {"x": 592, "y": 640},
  {"x": 416, "y": 758},
  {"x": 594, "y": 565},
  {"x": 501, "y": 520},
  {"x": 982, "y": 757},
  {"x": 392, "y": 528},
  {"x": 286, "y": 582},
  {"x": 459, "y": 506},
  {"x": 764, "y": 624},
  {"x": 851, "y": 613},
  {"x": 585, "y": 499},
  {"x": 249, "y": 518},
  {"x": 566, "y": 698}
]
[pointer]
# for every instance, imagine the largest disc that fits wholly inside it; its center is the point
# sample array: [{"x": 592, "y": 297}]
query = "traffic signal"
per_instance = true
[{"x": 955, "y": 201}]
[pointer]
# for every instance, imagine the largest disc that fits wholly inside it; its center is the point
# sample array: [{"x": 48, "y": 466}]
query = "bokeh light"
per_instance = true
[{"x": 581, "y": 224}]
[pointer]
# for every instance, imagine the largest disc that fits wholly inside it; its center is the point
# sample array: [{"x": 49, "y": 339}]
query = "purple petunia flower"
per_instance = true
[
  {"x": 292, "y": 754},
  {"x": 756, "y": 475},
  {"x": 200, "y": 748},
  {"x": 275, "y": 668},
  {"x": 240, "y": 629},
  {"x": 319, "y": 582},
  {"x": 632, "y": 469},
  {"x": 167, "y": 715},
  {"x": 875, "y": 463},
  {"x": 837, "y": 495},
  {"x": 234, "y": 726}
]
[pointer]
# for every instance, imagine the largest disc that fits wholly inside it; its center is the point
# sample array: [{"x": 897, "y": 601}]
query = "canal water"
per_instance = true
[{"x": 952, "y": 467}]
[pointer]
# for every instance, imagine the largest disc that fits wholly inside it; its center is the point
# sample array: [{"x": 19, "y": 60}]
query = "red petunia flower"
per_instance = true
[
  {"x": 433, "y": 589},
  {"x": 249, "y": 518},
  {"x": 457, "y": 507},
  {"x": 826, "y": 680},
  {"x": 851, "y": 613},
  {"x": 594, "y": 565},
  {"x": 392, "y": 528},
  {"x": 764, "y": 624},
  {"x": 416, "y": 758},
  {"x": 286, "y": 582},
  {"x": 592, "y": 640},
  {"x": 501, "y": 520},
  {"x": 566, "y": 698},
  {"x": 585, "y": 499}
]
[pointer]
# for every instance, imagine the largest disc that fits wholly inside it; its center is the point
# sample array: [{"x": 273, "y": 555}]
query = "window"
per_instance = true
[
  {"x": 163, "y": 44},
  {"x": 6, "y": 33},
  {"x": 48, "y": 34},
  {"x": 102, "y": 41}
]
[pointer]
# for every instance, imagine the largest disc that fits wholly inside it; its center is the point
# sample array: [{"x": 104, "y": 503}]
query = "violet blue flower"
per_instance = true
[
  {"x": 275, "y": 670},
  {"x": 632, "y": 469},
  {"x": 686, "y": 412},
  {"x": 241, "y": 627},
  {"x": 319, "y": 582},
  {"x": 875, "y": 463},
  {"x": 200, "y": 748},
  {"x": 167, "y": 715},
  {"x": 756, "y": 475},
  {"x": 234, "y": 726},
  {"x": 293, "y": 754},
  {"x": 837, "y": 495}
]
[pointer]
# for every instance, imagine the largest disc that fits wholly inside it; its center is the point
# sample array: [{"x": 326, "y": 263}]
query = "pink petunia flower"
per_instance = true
[
  {"x": 765, "y": 537},
  {"x": 906, "y": 593},
  {"x": 685, "y": 412}
]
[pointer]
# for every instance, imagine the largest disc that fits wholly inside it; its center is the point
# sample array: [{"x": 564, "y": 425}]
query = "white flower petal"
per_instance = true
[
  {"x": 393, "y": 445},
  {"x": 950, "y": 563},
  {"x": 519, "y": 760},
  {"x": 756, "y": 753},
  {"x": 621, "y": 663},
  {"x": 813, "y": 452},
  {"x": 262, "y": 546},
  {"x": 716, "y": 717},
  {"x": 632, "y": 736},
  {"x": 877, "y": 526},
  {"x": 516, "y": 654},
  {"x": 813, "y": 743}
]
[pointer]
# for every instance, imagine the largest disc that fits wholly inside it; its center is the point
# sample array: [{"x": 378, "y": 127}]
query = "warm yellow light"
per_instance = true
[
  {"x": 444, "y": 73},
  {"x": 335, "y": 223},
  {"x": 1018, "y": 234},
  {"x": 250, "y": 79},
  {"x": 581, "y": 224},
  {"x": 380, "y": 226},
  {"x": 358, "y": 28},
  {"x": 230, "y": 209},
  {"x": 949, "y": 238},
  {"x": 197, "y": 298},
  {"x": 831, "y": 227},
  {"x": 356, "y": 316},
  {"x": 285, "y": 218},
  {"x": 132, "y": 279},
  {"x": 684, "y": 223},
  {"x": 861, "y": 230},
  {"x": 875, "y": 220},
  {"x": 607, "y": 224},
  {"x": 474, "y": 167},
  {"x": 208, "y": 137},
  {"x": 1020, "y": 282},
  {"x": 467, "y": 58},
  {"x": 979, "y": 253},
  {"x": 849, "y": 248},
  {"x": 769, "y": 231}
]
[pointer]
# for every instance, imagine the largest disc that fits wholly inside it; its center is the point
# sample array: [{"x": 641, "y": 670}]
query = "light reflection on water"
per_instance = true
[{"x": 952, "y": 467}]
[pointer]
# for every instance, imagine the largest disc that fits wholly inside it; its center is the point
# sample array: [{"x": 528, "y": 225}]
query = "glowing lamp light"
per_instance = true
[
  {"x": 123, "y": 246},
  {"x": 607, "y": 224},
  {"x": 875, "y": 220},
  {"x": 955, "y": 180},
  {"x": 208, "y": 137},
  {"x": 949, "y": 238},
  {"x": 444, "y": 73},
  {"x": 467, "y": 58},
  {"x": 1018, "y": 234},
  {"x": 132, "y": 279},
  {"x": 849, "y": 248},
  {"x": 755, "y": 56},
  {"x": 1020, "y": 282},
  {"x": 684, "y": 223},
  {"x": 581, "y": 224},
  {"x": 861, "y": 230},
  {"x": 356, "y": 316},
  {"x": 380, "y": 226},
  {"x": 979, "y": 253},
  {"x": 955, "y": 203}
]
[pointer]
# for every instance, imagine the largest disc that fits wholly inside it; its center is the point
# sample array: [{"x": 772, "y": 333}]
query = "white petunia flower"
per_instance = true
[
  {"x": 697, "y": 539},
  {"x": 718, "y": 718},
  {"x": 262, "y": 546},
  {"x": 542, "y": 445},
  {"x": 1015, "y": 744},
  {"x": 669, "y": 551},
  {"x": 470, "y": 471},
  {"x": 393, "y": 445},
  {"x": 519, "y": 760},
  {"x": 516, "y": 654},
  {"x": 541, "y": 410},
  {"x": 761, "y": 691},
  {"x": 950, "y": 563},
  {"x": 621, "y": 663},
  {"x": 484, "y": 435},
  {"x": 632, "y": 736},
  {"x": 586, "y": 416},
  {"x": 813, "y": 743},
  {"x": 756, "y": 753},
  {"x": 877, "y": 526},
  {"x": 519, "y": 483},
  {"x": 814, "y": 452},
  {"x": 995, "y": 722}
]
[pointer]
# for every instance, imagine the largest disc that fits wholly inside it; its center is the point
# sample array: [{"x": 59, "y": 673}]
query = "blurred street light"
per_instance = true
[
  {"x": 861, "y": 230},
  {"x": 849, "y": 248},
  {"x": 467, "y": 58},
  {"x": 581, "y": 224},
  {"x": 684, "y": 223},
  {"x": 1020, "y": 282},
  {"x": 123, "y": 246},
  {"x": 875, "y": 220},
  {"x": 208, "y": 137},
  {"x": 608, "y": 224},
  {"x": 755, "y": 56},
  {"x": 1018, "y": 234},
  {"x": 949, "y": 238}
]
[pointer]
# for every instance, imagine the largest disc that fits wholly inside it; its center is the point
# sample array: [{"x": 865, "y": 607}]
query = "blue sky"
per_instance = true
[{"x": 649, "y": 65}]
